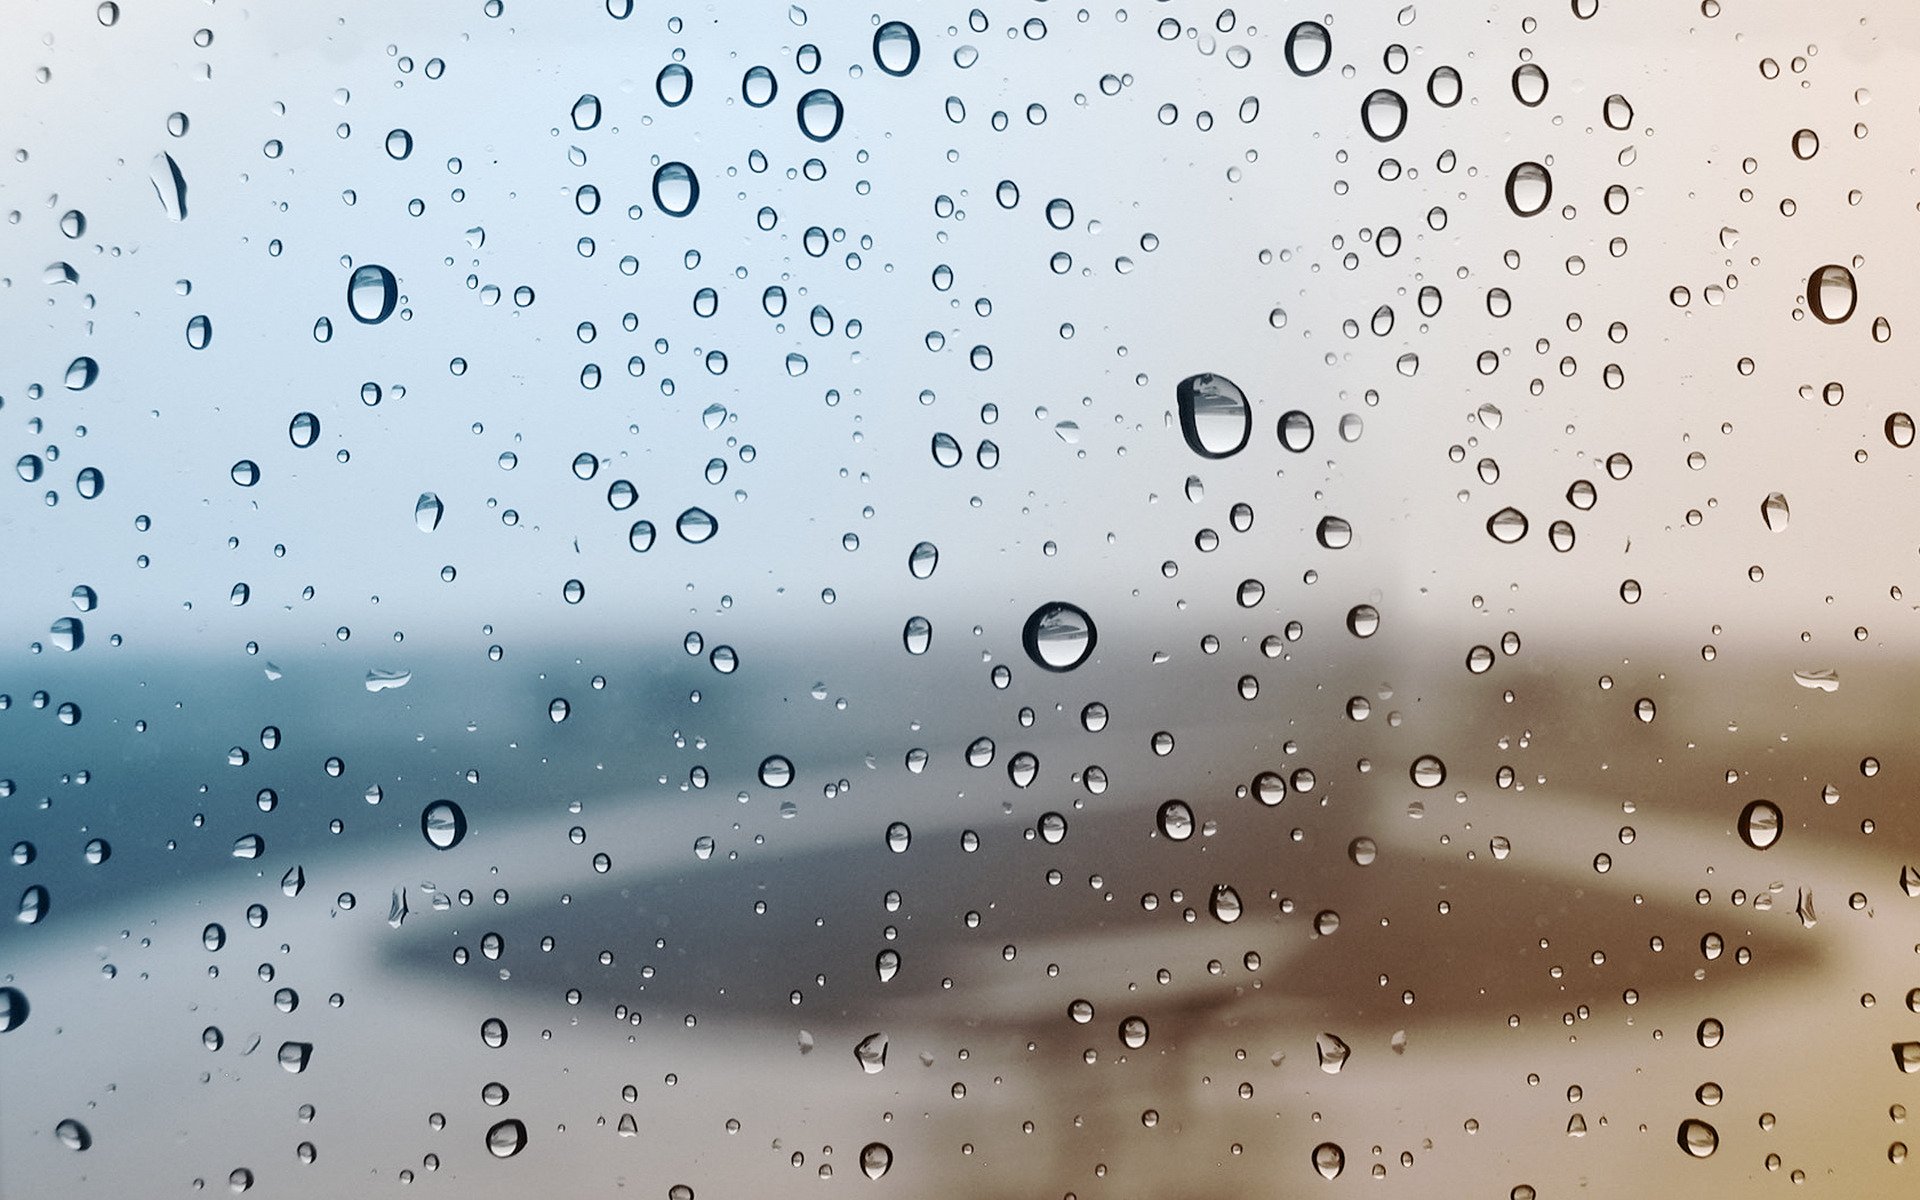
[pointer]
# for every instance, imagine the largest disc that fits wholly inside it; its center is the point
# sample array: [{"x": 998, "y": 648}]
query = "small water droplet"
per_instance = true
[
  {"x": 1176, "y": 820},
  {"x": 1224, "y": 904},
  {"x": 695, "y": 525},
  {"x": 871, "y": 1053},
  {"x": 1333, "y": 1053}
]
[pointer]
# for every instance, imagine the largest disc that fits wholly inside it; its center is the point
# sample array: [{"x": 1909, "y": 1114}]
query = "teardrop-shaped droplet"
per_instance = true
[
  {"x": 1309, "y": 47},
  {"x": 1059, "y": 636},
  {"x": 1176, "y": 820},
  {"x": 696, "y": 525},
  {"x": 673, "y": 85},
  {"x": 1760, "y": 824},
  {"x": 1224, "y": 903},
  {"x": 372, "y": 294},
  {"x": 586, "y": 112},
  {"x": 507, "y": 1139},
  {"x": 1384, "y": 114},
  {"x": 896, "y": 48},
  {"x": 875, "y": 1159},
  {"x": 1329, "y": 1159},
  {"x": 170, "y": 185},
  {"x": 427, "y": 511},
  {"x": 820, "y": 114},
  {"x": 1831, "y": 294},
  {"x": 443, "y": 823},
  {"x": 1529, "y": 189},
  {"x": 1698, "y": 1138},
  {"x": 871, "y": 1053},
  {"x": 886, "y": 965},
  {"x": 33, "y": 905},
  {"x": 675, "y": 190},
  {"x": 1773, "y": 511},
  {"x": 81, "y": 373},
  {"x": 1508, "y": 525},
  {"x": 1215, "y": 417}
]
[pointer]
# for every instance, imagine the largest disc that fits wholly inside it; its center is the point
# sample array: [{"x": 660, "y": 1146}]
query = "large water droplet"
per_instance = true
[
  {"x": 1384, "y": 114},
  {"x": 72, "y": 1134},
  {"x": 13, "y": 1008},
  {"x": 896, "y": 48},
  {"x": 1698, "y": 1138},
  {"x": 33, "y": 905},
  {"x": 1907, "y": 1056},
  {"x": 1215, "y": 417},
  {"x": 372, "y": 294},
  {"x": 1059, "y": 636},
  {"x": 67, "y": 633},
  {"x": 304, "y": 429},
  {"x": 427, "y": 511},
  {"x": 1616, "y": 111},
  {"x": 1508, "y": 525},
  {"x": 1773, "y": 510},
  {"x": 776, "y": 771},
  {"x": 673, "y": 85},
  {"x": 922, "y": 560},
  {"x": 871, "y": 1053},
  {"x": 170, "y": 185},
  {"x": 886, "y": 965},
  {"x": 1831, "y": 294},
  {"x": 506, "y": 1139},
  {"x": 696, "y": 525},
  {"x": 586, "y": 111},
  {"x": 1529, "y": 189},
  {"x": 81, "y": 373},
  {"x": 820, "y": 114},
  {"x": 1309, "y": 47},
  {"x": 294, "y": 1056},
  {"x": 443, "y": 823},
  {"x": 1899, "y": 430},
  {"x": 1329, "y": 1159},
  {"x": 875, "y": 1159},
  {"x": 1428, "y": 771},
  {"x": 1224, "y": 904},
  {"x": 1176, "y": 820},
  {"x": 1760, "y": 824},
  {"x": 675, "y": 190}
]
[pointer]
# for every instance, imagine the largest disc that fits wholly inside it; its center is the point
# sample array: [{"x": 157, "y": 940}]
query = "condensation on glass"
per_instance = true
[{"x": 1148, "y": 599}]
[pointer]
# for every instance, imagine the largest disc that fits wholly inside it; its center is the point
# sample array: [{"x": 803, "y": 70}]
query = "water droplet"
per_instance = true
[
  {"x": 776, "y": 771},
  {"x": 1215, "y": 417},
  {"x": 886, "y": 965},
  {"x": 640, "y": 536},
  {"x": 1309, "y": 47},
  {"x": 1334, "y": 533},
  {"x": 1616, "y": 111},
  {"x": 558, "y": 709},
  {"x": 675, "y": 190},
  {"x": 1333, "y": 1053},
  {"x": 1529, "y": 189},
  {"x": 1760, "y": 824},
  {"x": 896, "y": 48},
  {"x": 673, "y": 85},
  {"x": 67, "y": 633},
  {"x": 73, "y": 1135},
  {"x": 1508, "y": 525},
  {"x": 871, "y": 1053},
  {"x": 1907, "y": 1056},
  {"x": 1444, "y": 86},
  {"x": 81, "y": 373},
  {"x": 1806, "y": 144},
  {"x": 427, "y": 511},
  {"x": 443, "y": 823},
  {"x": 586, "y": 112},
  {"x": 918, "y": 635},
  {"x": 1384, "y": 114},
  {"x": 294, "y": 1056},
  {"x": 1831, "y": 294},
  {"x": 399, "y": 144},
  {"x": 1363, "y": 620},
  {"x": 820, "y": 114},
  {"x": 1176, "y": 820},
  {"x": 1698, "y": 1138},
  {"x": 1773, "y": 510},
  {"x": 875, "y": 1159},
  {"x": 696, "y": 525},
  {"x": 1296, "y": 431},
  {"x": 899, "y": 837},
  {"x": 304, "y": 429},
  {"x": 1529, "y": 84},
  {"x": 13, "y": 1009},
  {"x": 170, "y": 185},
  {"x": 758, "y": 86},
  {"x": 1899, "y": 430},
  {"x": 506, "y": 1139},
  {"x": 1428, "y": 771},
  {"x": 1224, "y": 904},
  {"x": 372, "y": 293},
  {"x": 1059, "y": 636},
  {"x": 33, "y": 905},
  {"x": 1329, "y": 1159},
  {"x": 246, "y": 472}
]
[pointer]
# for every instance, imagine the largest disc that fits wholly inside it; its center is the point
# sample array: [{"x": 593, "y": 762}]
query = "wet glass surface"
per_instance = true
[{"x": 1011, "y": 601}]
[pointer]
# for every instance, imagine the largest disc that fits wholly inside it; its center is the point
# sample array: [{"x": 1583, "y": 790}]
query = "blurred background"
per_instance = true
[{"x": 1148, "y": 600}]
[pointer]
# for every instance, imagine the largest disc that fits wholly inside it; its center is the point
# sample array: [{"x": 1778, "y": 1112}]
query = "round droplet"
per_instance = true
[
  {"x": 372, "y": 294},
  {"x": 1059, "y": 636},
  {"x": 199, "y": 331},
  {"x": 1529, "y": 84},
  {"x": 1296, "y": 430},
  {"x": 1133, "y": 1032},
  {"x": 81, "y": 373},
  {"x": 923, "y": 560},
  {"x": 1698, "y": 1138},
  {"x": 696, "y": 525},
  {"x": 586, "y": 112},
  {"x": 1334, "y": 533},
  {"x": 640, "y": 536},
  {"x": 443, "y": 823},
  {"x": 506, "y": 1139},
  {"x": 1215, "y": 417},
  {"x": 1363, "y": 620},
  {"x": 1444, "y": 86},
  {"x": 1709, "y": 1032},
  {"x": 1309, "y": 47},
  {"x": 1508, "y": 525},
  {"x": 1899, "y": 430},
  {"x": 72, "y": 1134},
  {"x": 559, "y": 710},
  {"x": 427, "y": 511},
  {"x": 899, "y": 837},
  {"x": 1529, "y": 189},
  {"x": 1760, "y": 824},
  {"x": 1428, "y": 771},
  {"x": 875, "y": 1159},
  {"x": 304, "y": 429},
  {"x": 896, "y": 48},
  {"x": 246, "y": 472},
  {"x": 13, "y": 1008},
  {"x": 1329, "y": 1159},
  {"x": 1176, "y": 820},
  {"x": 1831, "y": 294},
  {"x": 1384, "y": 114},
  {"x": 758, "y": 87},
  {"x": 776, "y": 771},
  {"x": 820, "y": 114},
  {"x": 1773, "y": 511},
  {"x": 673, "y": 85},
  {"x": 1806, "y": 144},
  {"x": 675, "y": 190},
  {"x": 918, "y": 635},
  {"x": 1617, "y": 112}
]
